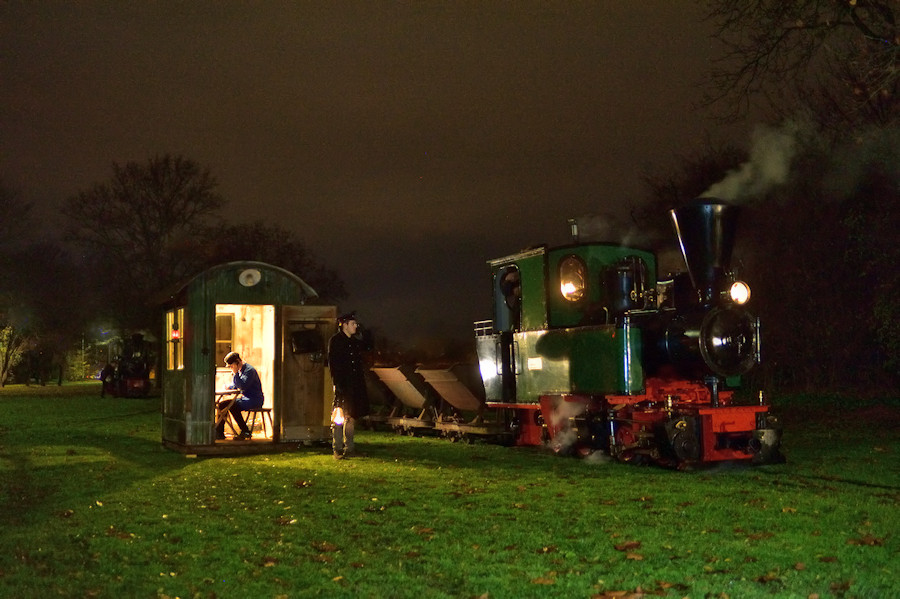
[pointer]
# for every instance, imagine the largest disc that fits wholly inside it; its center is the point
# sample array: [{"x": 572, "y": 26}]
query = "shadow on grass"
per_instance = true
[{"x": 71, "y": 446}]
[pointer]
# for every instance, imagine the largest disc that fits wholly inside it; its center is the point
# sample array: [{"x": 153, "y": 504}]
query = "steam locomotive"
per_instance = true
[
  {"x": 128, "y": 375},
  {"x": 587, "y": 351}
]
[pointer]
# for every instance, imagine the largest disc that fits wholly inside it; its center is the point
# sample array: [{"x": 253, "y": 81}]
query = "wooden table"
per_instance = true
[{"x": 223, "y": 401}]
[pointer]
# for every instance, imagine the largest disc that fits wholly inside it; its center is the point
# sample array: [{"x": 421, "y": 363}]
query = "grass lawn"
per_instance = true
[{"x": 91, "y": 505}]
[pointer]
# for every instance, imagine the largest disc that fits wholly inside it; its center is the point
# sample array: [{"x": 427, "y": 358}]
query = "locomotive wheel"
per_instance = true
[
  {"x": 685, "y": 446},
  {"x": 630, "y": 450}
]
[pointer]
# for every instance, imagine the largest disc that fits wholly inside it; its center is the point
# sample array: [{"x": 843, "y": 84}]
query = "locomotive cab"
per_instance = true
[{"x": 555, "y": 306}]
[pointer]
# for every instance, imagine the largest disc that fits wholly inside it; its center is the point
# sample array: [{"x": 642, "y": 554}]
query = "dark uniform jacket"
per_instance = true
[{"x": 346, "y": 363}]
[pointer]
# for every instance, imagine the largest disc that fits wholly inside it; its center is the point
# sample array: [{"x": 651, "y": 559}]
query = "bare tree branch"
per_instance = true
[{"x": 773, "y": 47}]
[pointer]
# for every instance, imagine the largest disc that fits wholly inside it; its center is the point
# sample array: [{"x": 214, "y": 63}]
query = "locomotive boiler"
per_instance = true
[{"x": 588, "y": 351}]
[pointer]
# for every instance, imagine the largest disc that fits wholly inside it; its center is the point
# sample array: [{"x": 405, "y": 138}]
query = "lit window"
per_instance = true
[
  {"x": 224, "y": 337},
  {"x": 174, "y": 345},
  {"x": 572, "y": 277}
]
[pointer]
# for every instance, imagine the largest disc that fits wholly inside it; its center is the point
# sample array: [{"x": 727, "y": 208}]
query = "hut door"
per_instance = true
[{"x": 306, "y": 398}]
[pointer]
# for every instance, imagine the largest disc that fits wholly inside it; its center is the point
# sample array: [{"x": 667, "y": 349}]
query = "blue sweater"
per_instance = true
[{"x": 247, "y": 380}]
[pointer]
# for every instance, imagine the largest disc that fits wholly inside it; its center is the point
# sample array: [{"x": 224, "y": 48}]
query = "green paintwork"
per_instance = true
[
  {"x": 553, "y": 352},
  {"x": 534, "y": 297},
  {"x": 591, "y": 360},
  {"x": 597, "y": 257}
]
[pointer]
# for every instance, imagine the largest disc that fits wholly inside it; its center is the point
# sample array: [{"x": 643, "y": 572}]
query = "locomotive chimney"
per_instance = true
[{"x": 705, "y": 230}]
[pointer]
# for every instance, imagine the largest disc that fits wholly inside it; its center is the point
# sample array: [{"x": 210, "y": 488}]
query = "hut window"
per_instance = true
[
  {"x": 174, "y": 346},
  {"x": 224, "y": 336}
]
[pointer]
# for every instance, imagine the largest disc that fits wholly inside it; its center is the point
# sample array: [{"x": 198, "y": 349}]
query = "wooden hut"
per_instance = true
[{"x": 270, "y": 317}]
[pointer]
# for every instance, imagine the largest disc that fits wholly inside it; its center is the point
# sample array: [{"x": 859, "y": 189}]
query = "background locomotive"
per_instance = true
[
  {"x": 588, "y": 351},
  {"x": 128, "y": 373}
]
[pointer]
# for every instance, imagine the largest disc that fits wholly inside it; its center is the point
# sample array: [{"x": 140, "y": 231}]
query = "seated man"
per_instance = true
[{"x": 247, "y": 380}]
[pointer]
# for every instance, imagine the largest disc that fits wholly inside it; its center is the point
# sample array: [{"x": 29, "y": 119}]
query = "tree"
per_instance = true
[
  {"x": 279, "y": 247},
  {"x": 12, "y": 346},
  {"x": 145, "y": 229},
  {"x": 848, "y": 48},
  {"x": 54, "y": 307},
  {"x": 871, "y": 219},
  {"x": 694, "y": 174},
  {"x": 42, "y": 300},
  {"x": 833, "y": 64},
  {"x": 821, "y": 259},
  {"x": 15, "y": 233}
]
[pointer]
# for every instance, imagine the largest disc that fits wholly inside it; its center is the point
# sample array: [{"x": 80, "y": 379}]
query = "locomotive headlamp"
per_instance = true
[
  {"x": 740, "y": 293},
  {"x": 572, "y": 278}
]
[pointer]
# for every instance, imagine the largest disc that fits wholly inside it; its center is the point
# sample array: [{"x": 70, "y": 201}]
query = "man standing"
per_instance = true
[
  {"x": 247, "y": 380},
  {"x": 351, "y": 401}
]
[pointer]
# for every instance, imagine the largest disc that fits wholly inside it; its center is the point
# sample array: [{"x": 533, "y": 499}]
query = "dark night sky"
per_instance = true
[{"x": 407, "y": 143}]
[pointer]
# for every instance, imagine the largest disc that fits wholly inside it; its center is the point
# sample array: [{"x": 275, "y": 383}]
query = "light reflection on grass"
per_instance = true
[{"x": 92, "y": 505}]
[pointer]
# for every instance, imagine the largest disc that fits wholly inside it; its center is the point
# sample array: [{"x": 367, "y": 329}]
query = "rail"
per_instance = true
[{"x": 484, "y": 328}]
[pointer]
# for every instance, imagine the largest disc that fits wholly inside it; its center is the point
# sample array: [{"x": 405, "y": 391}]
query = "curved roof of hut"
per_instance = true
[{"x": 179, "y": 289}]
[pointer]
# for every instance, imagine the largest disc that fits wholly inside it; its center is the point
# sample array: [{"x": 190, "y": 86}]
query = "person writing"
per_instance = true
[
  {"x": 246, "y": 379},
  {"x": 351, "y": 402}
]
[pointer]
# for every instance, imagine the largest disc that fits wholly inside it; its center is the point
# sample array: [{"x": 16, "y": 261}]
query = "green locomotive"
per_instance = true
[{"x": 588, "y": 351}]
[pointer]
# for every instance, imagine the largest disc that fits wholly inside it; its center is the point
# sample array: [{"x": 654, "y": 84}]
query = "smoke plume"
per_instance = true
[{"x": 771, "y": 153}]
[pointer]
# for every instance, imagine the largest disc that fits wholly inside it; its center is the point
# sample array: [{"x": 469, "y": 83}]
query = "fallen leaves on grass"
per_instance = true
[
  {"x": 112, "y": 531},
  {"x": 285, "y": 520},
  {"x": 302, "y": 484},
  {"x": 549, "y": 578},
  {"x": 661, "y": 590},
  {"x": 628, "y": 545},
  {"x": 867, "y": 539},
  {"x": 628, "y": 548},
  {"x": 768, "y": 577},
  {"x": 324, "y": 546},
  {"x": 268, "y": 561},
  {"x": 840, "y": 587},
  {"x": 464, "y": 491}
]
